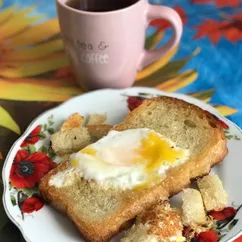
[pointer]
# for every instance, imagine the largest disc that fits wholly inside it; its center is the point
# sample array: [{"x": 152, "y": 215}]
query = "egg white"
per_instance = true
[{"x": 110, "y": 164}]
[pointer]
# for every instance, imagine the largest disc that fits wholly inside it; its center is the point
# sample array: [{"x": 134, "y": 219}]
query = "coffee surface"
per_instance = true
[{"x": 99, "y": 5}]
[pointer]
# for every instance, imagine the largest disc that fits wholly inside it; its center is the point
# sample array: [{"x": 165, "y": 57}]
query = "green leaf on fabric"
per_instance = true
[
  {"x": 167, "y": 72},
  {"x": 149, "y": 42}
]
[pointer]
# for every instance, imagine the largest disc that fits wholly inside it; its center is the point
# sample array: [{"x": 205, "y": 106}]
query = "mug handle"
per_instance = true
[{"x": 163, "y": 12}]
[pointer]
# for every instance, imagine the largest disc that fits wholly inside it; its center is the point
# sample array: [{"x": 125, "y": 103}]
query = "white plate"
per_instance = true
[{"x": 48, "y": 225}]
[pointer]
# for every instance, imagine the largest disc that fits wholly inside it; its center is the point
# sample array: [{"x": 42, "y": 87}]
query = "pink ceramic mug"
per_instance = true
[{"x": 107, "y": 48}]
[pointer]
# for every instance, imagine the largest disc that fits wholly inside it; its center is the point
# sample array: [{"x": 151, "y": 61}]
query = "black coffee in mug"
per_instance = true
[{"x": 99, "y": 5}]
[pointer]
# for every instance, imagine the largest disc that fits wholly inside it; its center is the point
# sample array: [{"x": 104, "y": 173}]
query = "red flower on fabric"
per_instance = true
[
  {"x": 31, "y": 204},
  {"x": 231, "y": 29},
  {"x": 27, "y": 169},
  {"x": 226, "y": 213},
  {"x": 208, "y": 236},
  {"x": 220, "y": 3},
  {"x": 134, "y": 102},
  {"x": 163, "y": 24},
  {"x": 32, "y": 138}
]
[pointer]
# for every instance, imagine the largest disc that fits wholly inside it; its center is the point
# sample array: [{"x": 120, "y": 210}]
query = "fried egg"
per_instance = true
[{"x": 130, "y": 159}]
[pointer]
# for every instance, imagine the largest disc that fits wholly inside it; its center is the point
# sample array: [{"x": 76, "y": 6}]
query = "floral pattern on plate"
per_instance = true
[
  {"x": 224, "y": 221},
  {"x": 32, "y": 161}
]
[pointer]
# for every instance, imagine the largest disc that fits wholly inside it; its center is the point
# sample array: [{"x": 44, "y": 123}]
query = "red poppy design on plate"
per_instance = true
[
  {"x": 226, "y": 213},
  {"x": 33, "y": 137},
  {"x": 208, "y": 236},
  {"x": 134, "y": 102},
  {"x": 31, "y": 204},
  {"x": 27, "y": 170},
  {"x": 222, "y": 123}
]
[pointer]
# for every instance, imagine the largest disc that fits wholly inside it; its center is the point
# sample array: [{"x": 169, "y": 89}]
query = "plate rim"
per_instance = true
[{"x": 175, "y": 95}]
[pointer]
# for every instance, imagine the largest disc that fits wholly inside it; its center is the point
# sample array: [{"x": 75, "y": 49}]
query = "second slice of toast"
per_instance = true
[{"x": 100, "y": 213}]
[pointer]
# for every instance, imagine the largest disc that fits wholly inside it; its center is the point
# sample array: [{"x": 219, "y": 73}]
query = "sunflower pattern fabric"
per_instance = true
[{"x": 35, "y": 73}]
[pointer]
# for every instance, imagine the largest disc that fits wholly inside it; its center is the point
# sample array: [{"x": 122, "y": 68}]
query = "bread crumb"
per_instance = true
[
  {"x": 96, "y": 119},
  {"x": 70, "y": 140},
  {"x": 193, "y": 212},
  {"x": 73, "y": 121},
  {"x": 161, "y": 223},
  {"x": 213, "y": 194}
]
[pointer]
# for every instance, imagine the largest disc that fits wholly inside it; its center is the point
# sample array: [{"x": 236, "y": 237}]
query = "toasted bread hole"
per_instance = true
[
  {"x": 212, "y": 124},
  {"x": 190, "y": 123},
  {"x": 149, "y": 113},
  {"x": 200, "y": 115}
]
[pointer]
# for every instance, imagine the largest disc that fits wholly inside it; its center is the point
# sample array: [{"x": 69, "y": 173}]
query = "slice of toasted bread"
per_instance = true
[{"x": 100, "y": 213}]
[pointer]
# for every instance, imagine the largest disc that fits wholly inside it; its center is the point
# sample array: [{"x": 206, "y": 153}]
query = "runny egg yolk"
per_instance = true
[
  {"x": 88, "y": 151},
  {"x": 131, "y": 159},
  {"x": 74, "y": 163},
  {"x": 155, "y": 152}
]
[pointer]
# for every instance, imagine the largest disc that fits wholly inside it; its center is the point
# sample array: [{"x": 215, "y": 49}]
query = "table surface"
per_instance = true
[{"x": 35, "y": 74}]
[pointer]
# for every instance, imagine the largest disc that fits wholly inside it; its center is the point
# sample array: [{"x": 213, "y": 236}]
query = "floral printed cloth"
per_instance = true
[{"x": 35, "y": 75}]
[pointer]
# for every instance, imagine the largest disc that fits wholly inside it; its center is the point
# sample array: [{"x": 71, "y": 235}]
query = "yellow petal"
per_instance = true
[
  {"x": 36, "y": 67},
  {"x": 7, "y": 121},
  {"x": 157, "y": 65},
  {"x": 17, "y": 23},
  {"x": 6, "y": 13},
  {"x": 204, "y": 96},
  {"x": 225, "y": 110},
  {"x": 37, "y": 33},
  {"x": 35, "y": 52},
  {"x": 37, "y": 90},
  {"x": 180, "y": 81}
]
